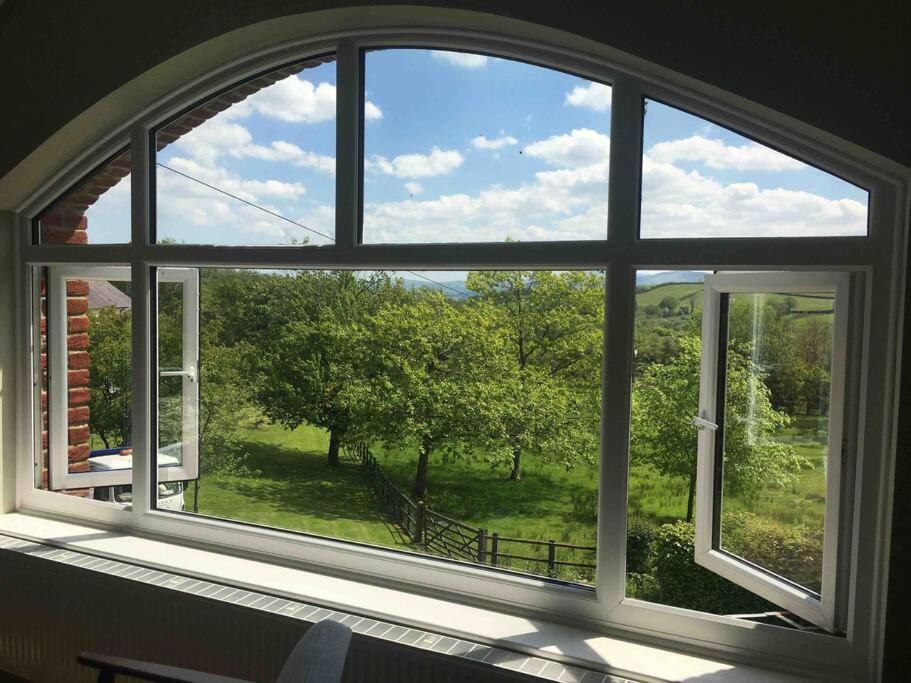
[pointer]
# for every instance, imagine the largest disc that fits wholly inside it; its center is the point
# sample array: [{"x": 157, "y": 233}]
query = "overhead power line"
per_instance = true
[{"x": 288, "y": 220}]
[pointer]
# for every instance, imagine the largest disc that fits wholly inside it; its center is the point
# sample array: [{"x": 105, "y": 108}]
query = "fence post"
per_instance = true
[
  {"x": 494, "y": 545},
  {"x": 482, "y": 545},
  {"x": 420, "y": 523},
  {"x": 551, "y": 558}
]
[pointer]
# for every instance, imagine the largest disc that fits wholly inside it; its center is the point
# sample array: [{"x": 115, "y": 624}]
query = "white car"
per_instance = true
[{"x": 170, "y": 494}]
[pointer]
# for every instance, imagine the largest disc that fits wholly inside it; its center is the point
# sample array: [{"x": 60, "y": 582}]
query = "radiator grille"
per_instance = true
[{"x": 379, "y": 665}]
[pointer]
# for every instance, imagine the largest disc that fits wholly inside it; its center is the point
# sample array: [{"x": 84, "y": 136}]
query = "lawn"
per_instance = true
[{"x": 296, "y": 490}]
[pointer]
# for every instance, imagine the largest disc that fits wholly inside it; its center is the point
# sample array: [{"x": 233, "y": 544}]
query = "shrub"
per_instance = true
[
  {"x": 640, "y": 537},
  {"x": 680, "y": 582},
  {"x": 793, "y": 552}
]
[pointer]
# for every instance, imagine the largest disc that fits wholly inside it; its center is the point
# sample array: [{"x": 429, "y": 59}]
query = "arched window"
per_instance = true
[{"x": 502, "y": 321}]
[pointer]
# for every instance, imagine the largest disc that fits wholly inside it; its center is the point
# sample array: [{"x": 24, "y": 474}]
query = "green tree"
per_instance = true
[
  {"x": 307, "y": 364},
  {"x": 668, "y": 306},
  {"x": 110, "y": 376},
  {"x": 225, "y": 409},
  {"x": 554, "y": 324},
  {"x": 665, "y": 399},
  {"x": 433, "y": 373}
]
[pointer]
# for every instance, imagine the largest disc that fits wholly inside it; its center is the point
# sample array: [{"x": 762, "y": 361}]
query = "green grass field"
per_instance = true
[
  {"x": 297, "y": 491},
  {"x": 684, "y": 293}
]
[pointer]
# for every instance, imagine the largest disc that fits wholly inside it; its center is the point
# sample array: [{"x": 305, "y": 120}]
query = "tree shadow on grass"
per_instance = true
[
  {"x": 476, "y": 491},
  {"x": 298, "y": 484}
]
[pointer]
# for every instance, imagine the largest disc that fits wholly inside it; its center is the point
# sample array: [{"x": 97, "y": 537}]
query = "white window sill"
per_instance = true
[{"x": 549, "y": 640}]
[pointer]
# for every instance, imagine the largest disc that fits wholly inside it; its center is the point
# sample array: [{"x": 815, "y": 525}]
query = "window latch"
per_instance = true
[{"x": 702, "y": 424}]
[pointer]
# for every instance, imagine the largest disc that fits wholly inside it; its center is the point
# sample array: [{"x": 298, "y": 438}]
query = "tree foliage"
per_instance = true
[
  {"x": 665, "y": 399},
  {"x": 432, "y": 372},
  {"x": 110, "y": 375},
  {"x": 554, "y": 327},
  {"x": 307, "y": 366}
]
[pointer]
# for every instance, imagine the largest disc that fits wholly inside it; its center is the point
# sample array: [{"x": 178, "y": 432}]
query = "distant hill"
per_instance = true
[
  {"x": 457, "y": 288},
  {"x": 652, "y": 279},
  {"x": 451, "y": 288}
]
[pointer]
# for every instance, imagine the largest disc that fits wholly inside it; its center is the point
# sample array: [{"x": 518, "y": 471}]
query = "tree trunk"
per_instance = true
[
  {"x": 691, "y": 498},
  {"x": 516, "y": 474},
  {"x": 332, "y": 460},
  {"x": 196, "y": 495},
  {"x": 420, "y": 479}
]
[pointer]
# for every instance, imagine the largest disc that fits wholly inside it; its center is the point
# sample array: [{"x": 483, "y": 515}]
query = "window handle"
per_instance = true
[{"x": 702, "y": 424}]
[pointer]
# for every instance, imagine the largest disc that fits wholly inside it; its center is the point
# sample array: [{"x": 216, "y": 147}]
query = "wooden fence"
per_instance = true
[{"x": 441, "y": 535}]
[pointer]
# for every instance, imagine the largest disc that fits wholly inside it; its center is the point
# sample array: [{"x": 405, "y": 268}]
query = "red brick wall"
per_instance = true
[{"x": 62, "y": 227}]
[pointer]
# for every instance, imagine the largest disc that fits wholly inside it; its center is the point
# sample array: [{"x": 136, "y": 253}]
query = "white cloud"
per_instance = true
[
  {"x": 715, "y": 154},
  {"x": 207, "y": 142},
  {"x": 218, "y": 137},
  {"x": 414, "y": 188},
  {"x": 280, "y": 150},
  {"x": 249, "y": 190},
  {"x": 580, "y": 147},
  {"x": 592, "y": 96},
  {"x": 570, "y": 202},
  {"x": 296, "y": 100},
  {"x": 191, "y": 212},
  {"x": 680, "y": 203},
  {"x": 438, "y": 162},
  {"x": 372, "y": 112},
  {"x": 481, "y": 142},
  {"x": 464, "y": 60}
]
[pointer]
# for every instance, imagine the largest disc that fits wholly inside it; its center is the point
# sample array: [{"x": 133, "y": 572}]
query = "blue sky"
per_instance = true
[{"x": 462, "y": 147}]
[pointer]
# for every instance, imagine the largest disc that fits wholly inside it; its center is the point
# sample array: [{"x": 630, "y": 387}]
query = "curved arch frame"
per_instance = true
[{"x": 880, "y": 255}]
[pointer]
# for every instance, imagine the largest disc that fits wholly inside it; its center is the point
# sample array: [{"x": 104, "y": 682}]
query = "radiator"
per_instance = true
[{"x": 56, "y": 603}]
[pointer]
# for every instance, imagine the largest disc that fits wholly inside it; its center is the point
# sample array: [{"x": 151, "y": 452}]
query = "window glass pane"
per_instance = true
[
  {"x": 252, "y": 166},
  {"x": 443, "y": 413},
  {"x": 775, "y": 499},
  {"x": 468, "y": 148},
  {"x": 42, "y": 377},
  {"x": 177, "y": 362},
  {"x": 702, "y": 180},
  {"x": 95, "y": 211},
  {"x": 96, "y": 350},
  {"x": 778, "y": 366}
]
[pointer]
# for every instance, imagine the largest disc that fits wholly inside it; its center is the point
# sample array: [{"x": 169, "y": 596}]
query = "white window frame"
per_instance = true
[
  {"x": 820, "y": 610},
  {"x": 880, "y": 255},
  {"x": 60, "y": 479}
]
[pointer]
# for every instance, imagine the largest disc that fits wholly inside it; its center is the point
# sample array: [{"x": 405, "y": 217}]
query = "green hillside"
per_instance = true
[{"x": 684, "y": 293}]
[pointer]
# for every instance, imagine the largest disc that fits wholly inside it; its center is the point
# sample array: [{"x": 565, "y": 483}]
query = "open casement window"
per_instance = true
[
  {"x": 89, "y": 292},
  {"x": 770, "y": 425}
]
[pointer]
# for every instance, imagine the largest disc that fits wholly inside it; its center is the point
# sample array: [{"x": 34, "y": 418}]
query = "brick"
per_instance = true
[
  {"x": 77, "y": 342},
  {"x": 77, "y": 378},
  {"x": 77, "y": 360},
  {"x": 44, "y": 440},
  {"x": 64, "y": 220},
  {"x": 52, "y": 236},
  {"x": 78, "y": 435},
  {"x": 78, "y": 397},
  {"x": 78, "y": 414},
  {"x": 43, "y": 327},
  {"x": 77, "y": 287},
  {"x": 44, "y": 361},
  {"x": 77, "y": 305},
  {"x": 78, "y": 453},
  {"x": 79, "y": 493},
  {"x": 44, "y": 399},
  {"x": 77, "y": 323}
]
